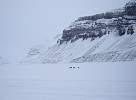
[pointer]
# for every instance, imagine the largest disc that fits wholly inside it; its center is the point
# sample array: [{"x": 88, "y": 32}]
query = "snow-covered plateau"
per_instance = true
[{"x": 81, "y": 81}]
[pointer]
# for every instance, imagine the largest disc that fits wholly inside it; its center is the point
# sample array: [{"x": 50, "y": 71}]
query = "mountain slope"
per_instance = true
[
  {"x": 109, "y": 36},
  {"x": 120, "y": 49}
]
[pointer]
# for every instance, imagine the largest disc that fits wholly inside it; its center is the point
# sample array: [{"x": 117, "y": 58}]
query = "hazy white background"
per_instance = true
[{"x": 25, "y": 23}]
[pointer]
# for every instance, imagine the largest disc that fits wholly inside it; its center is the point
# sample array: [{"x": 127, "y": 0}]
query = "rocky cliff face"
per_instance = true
[
  {"x": 101, "y": 24},
  {"x": 109, "y": 36}
]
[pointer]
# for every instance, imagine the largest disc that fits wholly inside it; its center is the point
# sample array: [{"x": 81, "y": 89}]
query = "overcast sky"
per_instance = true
[{"x": 25, "y": 23}]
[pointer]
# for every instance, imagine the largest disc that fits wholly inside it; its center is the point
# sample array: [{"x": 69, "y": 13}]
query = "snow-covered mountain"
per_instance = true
[{"x": 109, "y": 36}]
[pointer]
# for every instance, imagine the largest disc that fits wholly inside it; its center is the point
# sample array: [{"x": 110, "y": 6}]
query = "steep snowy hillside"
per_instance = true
[
  {"x": 112, "y": 49},
  {"x": 109, "y": 36}
]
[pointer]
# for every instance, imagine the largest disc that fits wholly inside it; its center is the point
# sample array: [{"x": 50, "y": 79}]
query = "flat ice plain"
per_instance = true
[{"x": 91, "y": 81}]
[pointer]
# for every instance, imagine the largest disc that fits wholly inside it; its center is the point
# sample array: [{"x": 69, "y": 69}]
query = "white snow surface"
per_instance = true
[{"x": 91, "y": 81}]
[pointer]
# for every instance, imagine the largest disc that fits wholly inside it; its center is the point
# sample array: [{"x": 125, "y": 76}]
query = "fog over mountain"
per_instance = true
[{"x": 26, "y": 23}]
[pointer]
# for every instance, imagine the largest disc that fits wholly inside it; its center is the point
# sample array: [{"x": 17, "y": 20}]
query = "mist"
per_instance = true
[{"x": 26, "y": 23}]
